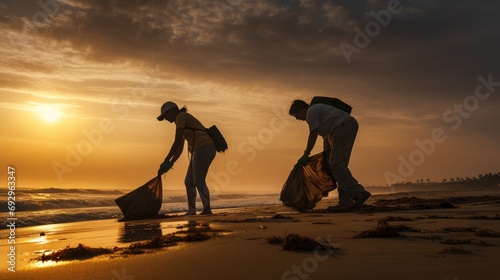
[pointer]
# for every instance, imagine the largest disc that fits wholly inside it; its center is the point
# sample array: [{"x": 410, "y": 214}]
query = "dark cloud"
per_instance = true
[{"x": 431, "y": 47}]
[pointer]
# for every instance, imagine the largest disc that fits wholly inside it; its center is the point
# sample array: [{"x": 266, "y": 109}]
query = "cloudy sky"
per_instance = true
[{"x": 82, "y": 81}]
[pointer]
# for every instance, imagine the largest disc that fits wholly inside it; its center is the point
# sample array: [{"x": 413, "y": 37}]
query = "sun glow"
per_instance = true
[{"x": 49, "y": 113}]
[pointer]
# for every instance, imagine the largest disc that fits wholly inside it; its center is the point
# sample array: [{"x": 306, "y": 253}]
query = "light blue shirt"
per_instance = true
[{"x": 325, "y": 117}]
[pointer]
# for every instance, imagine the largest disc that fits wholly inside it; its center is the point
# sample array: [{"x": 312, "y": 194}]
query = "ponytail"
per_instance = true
[{"x": 183, "y": 109}]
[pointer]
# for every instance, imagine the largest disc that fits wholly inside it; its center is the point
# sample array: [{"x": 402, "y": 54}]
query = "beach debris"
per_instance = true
[
  {"x": 456, "y": 250},
  {"x": 262, "y": 227},
  {"x": 415, "y": 203},
  {"x": 80, "y": 252},
  {"x": 384, "y": 230},
  {"x": 275, "y": 218},
  {"x": 429, "y": 237},
  {"x": 42, "y": 233},
  {"x": 275, "y": 240},
  {"x": 385, "y": 206},
  {"x": 193, "y": 233},
  {"x": 253, "y": 238},
  {"x": 483, "y": 217},
  {"x": 156, "y": 242},
  {"x": 477, "y": 217},
  {"x": 487, "y": 233},
  {"x": 459, "y": 229},
  {"x": 450, "y": 241},
  {"x": 456, "y": 241},
  {"x": 279, "y": 216},
  {"x": 436, "y": 217},
  {"x": 475, "y": 242},
  {"x": 295, "y": 242},
  {"x": 322, "y": 223},
  {"x": 412, "y": 200},
  {"x": 397, "y": 219},
  {"x": 445, "y": 205}
]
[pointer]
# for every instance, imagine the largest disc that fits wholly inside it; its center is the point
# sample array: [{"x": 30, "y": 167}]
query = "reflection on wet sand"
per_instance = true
[{"x": 133, "y": 232}]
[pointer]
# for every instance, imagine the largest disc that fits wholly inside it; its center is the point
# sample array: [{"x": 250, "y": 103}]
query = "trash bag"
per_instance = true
[
  {"x": 307, "y": 185},
  {"x": 143, "y": 202}
]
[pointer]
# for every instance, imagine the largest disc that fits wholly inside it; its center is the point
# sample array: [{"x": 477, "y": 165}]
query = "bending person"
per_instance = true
[
  {"x": 201, "y": 147},
  {"x": 338, "y": 130}
]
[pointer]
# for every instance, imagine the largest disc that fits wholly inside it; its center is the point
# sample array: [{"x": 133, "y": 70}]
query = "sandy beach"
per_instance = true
[{"x": 440, "y": 243}]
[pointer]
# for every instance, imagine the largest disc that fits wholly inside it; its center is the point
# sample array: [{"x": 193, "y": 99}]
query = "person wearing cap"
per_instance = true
[
  {"x": 339, "y": 130},
  {"x": 201, "y": 147}
]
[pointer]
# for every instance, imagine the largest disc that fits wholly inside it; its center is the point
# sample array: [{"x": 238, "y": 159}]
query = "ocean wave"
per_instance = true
[
  {"x": 37, "y": 205},
  {"x": 70, "y": 191},
  {"x": 68, "y": 215},
  {"x": 47, "y": 199}
]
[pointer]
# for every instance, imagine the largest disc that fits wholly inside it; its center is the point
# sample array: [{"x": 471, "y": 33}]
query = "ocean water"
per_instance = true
[{"x": 55, "y": 206}]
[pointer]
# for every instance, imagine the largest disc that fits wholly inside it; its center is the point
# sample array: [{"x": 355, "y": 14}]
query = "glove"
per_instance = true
[
  {"x": 304, "y": 159},
  {"x": 164, "y": 167}
]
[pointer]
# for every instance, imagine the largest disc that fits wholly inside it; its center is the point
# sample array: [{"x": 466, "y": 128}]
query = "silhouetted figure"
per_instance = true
[
  {"x": 338, "y": 129},
  {"x": 201, "y": 147}
]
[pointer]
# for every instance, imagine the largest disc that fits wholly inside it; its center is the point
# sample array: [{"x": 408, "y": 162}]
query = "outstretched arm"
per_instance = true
[
  {"x": 311, "y": 141},
  {"x": 175, "y": 152},
  {"x": 177, "y": 146},
  {"x": 178, "y": 152}
]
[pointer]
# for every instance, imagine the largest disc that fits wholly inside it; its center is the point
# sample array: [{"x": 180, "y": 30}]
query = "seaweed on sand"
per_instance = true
[
  {"x": 80, "y": 252},
  {"x": 452, "y": 200},
  {"x": 277, "y": 218},
  {"x": 456, "y": 250},
  {"x": 194, "y": 232},
  {"x": 397, "y": 219},
  {"x": 487, "y": 233},
  {"x": 459, "y": 229},
  {"x": 295, "y": 242},
  {"x": 384, "y": 230}
]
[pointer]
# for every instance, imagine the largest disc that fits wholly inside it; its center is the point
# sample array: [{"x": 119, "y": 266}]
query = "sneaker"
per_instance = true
[
  {"x": 362, "y": 198},
  {"x": 345, "y": 206},
  {"x": 206, "y": 212},
  {"x": 345, "y": 203}
]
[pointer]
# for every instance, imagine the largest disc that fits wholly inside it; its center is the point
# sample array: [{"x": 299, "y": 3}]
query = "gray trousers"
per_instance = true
[
  {"x": 196, "y": 175},
  {"x": 342, "y": 140}
]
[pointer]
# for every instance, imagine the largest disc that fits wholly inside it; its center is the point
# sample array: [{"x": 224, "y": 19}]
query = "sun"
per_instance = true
[{"x": 49, "y": 113}]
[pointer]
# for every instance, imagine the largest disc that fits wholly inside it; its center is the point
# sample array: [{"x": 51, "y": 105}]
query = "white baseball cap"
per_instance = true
[{"x": 165, "y": 108}]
